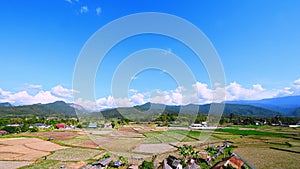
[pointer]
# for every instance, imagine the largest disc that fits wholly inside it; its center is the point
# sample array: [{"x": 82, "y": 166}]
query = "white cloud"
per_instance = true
[
  {"x": 137, "y": 99},
  {"x": 25, "y": 96},
  {"x": 62, "y": 92},
  {"x": 198, "y": 93},
  {"x": 32, "y": 86},
  {"x": 294, "y": 89},
  {"x": 84, "y": 9},
  {"x": 98, "y": 11},
  {"x": 69, "y": 1},
  {"x": 297, "y": 82},
  {"x": 235, "y": 91},
  {"x": 133, "y": 90}
]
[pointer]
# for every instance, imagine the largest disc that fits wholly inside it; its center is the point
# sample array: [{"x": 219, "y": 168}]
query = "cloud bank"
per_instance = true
[{"x": 200, "y": 93}]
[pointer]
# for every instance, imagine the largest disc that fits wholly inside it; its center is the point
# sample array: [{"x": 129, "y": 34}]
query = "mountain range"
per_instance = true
[
  {"x": 287, "y": 106},
  {"x": 56, "y": 109},
  {"x": 284, "y": 106}
]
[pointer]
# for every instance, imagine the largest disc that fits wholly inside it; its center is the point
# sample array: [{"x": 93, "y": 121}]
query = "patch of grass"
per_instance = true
[
  {"x": 225, "y": 136},
  {"x": 76, "y": 140},
  {"x": 74, "y": 154},
  {"x": 122, "y": 144},
  {"x": 252, "y": 132},
  {"x": 265, "y": 158},
  {"x": 43, "y": 164},
  {"x": 175, "y": 136}
]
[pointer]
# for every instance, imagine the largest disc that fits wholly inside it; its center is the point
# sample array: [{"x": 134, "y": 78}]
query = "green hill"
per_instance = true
[
  {"x": 58, "y": 109},
  {"x": 150, "y": 111}
]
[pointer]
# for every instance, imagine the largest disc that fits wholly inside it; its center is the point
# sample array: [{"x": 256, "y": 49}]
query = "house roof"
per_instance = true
[
  {"x": 61, "y": 125},
  {"x": 193, "y": 166},
  {"x": 173, "y": 161},
  {"x": 103, "y": 162},
  {"x": 233, "y": 161},
  {"x": 40, "y": 124},
  {"x": 93, "y": 125},
  {"x": 133, "y": 167},
  {"x": 3, "y": 132}
]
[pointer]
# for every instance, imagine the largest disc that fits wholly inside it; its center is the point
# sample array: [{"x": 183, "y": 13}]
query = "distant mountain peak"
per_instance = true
[{"x": 5, "y": 104}]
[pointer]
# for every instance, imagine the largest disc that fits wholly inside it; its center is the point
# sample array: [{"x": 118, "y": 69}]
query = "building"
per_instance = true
[
  {"x": 3, "y": 132},
  {"x": 234, "y": 161},
  {"x": 103, "y": 163},
  {"x": 60, "y": 126},
  {"x": 172, "y": 163},
  {"x": 192, "y": 165},
  {"x": 296, "y": 125},
  {"x": 107, "y": 125},
  {"x": 42, "y": 126},
  {"x": 93, "y": 125},
  {"x": 14, "y": 125}
]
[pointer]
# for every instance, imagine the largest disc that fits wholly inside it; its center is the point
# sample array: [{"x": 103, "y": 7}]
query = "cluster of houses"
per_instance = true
[
  {"x": 95, "y": 125},
  {"x": 234, "y": 161},
  {"x": 40, "y": 126},
  {"x": 105, "y": 163},
  {"x": 171, "y": 162}
]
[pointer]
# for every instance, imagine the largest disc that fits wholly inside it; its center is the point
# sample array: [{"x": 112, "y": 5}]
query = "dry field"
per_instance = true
[
  {"x": 265, "y": 158},
  {"x": 57, "y": 135},
  {"x": 26, "y": 148},
  {"x": 154, "y": 148},
  {"x": 74, "y": 154},
  {"x": 13, "y": 164},
  {"x": 18, "y": 152}
]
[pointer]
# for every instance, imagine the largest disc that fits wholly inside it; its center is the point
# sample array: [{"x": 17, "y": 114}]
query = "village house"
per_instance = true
[
  {"x": 3, "y": 132},
  {"x": 14, "y": 125},
  {"x": 191, "y": 165},
  {"x": 42, "y": 126},
  {"x": 92, "y": 125},
  {"x": 296, "y": 125},
  {"x": 107, "y": 126},
  {"x": 60, "y": 126},
  {"x": 233, "y": 161},
  {"x": 172, "y": 163}
]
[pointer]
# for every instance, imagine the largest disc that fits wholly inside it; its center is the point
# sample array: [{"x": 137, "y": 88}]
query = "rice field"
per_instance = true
[
  {"x": 173, "y": 136},
  {"x": 265, "y": 158},
  {"x": 74, "y": 154}
]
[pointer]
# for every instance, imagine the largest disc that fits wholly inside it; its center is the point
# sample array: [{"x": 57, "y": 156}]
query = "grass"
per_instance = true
[
  {"x": 122, "y": 144},
  {"x": 252, "y": 132},
  {"x": 225, "y": 136},
  {"x": 176, "y": 136},
  {"x": 77, "y": 140},
  {"x": 74, "y": 154},
  {"x": 265, "y": 158},
  {"x": 43, "y": 164}
]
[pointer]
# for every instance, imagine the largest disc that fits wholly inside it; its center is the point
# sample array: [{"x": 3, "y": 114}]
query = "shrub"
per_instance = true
[{"x": 147, "y": 165}]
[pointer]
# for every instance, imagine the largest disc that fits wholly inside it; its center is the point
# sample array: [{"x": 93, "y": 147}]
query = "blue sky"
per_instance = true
[{"x": 257, "y": 42}]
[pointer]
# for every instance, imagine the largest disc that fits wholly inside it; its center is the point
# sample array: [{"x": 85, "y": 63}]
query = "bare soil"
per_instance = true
[{"x": 27, "y": 149}]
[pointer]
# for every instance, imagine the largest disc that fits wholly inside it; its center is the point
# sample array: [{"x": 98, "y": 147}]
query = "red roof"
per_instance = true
[
  {"x": 3, "y": 132},
  {"x": 61, "y": 125}
]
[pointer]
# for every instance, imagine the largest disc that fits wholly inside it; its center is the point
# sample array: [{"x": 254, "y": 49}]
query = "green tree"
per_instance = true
[
  {"x": 25, "y": 127},
  {"x": 188, "y": 152},
  {"x": 34, "y": 129},
  {"x": 147, "y": 165},
  {"x": 123, "y": 159}
]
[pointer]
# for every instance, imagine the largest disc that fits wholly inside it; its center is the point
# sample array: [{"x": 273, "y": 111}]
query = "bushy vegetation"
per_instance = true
[
  {"x": 251, "y": 132},
  {"x": 147, "y": 165},
  {"x": 25, "y": 123},
  {"x": 188, "y": 152}
]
